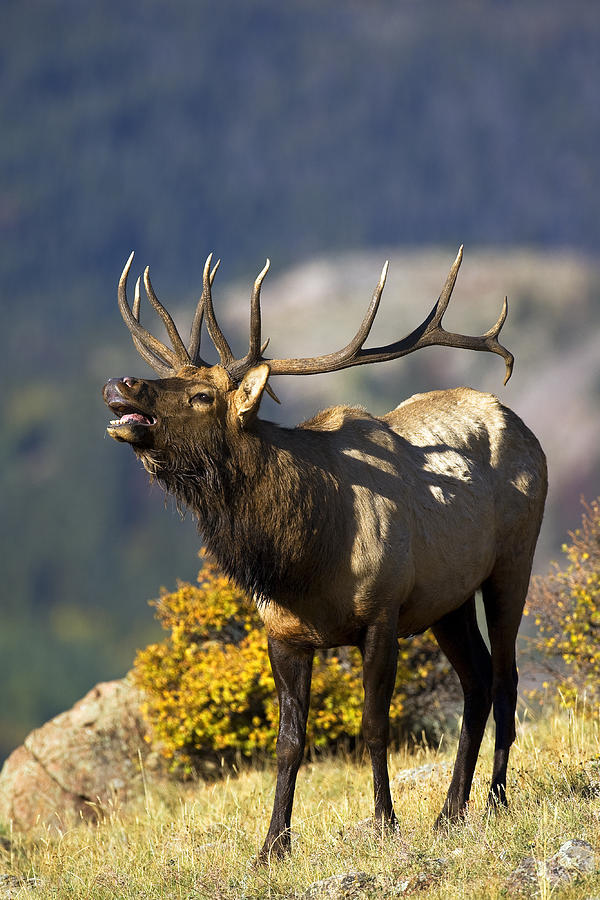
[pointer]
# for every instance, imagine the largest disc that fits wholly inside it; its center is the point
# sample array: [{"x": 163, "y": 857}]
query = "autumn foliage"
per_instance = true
[
  {"x": 210, "y": 692},
  {"x": 566, "y": 607}
]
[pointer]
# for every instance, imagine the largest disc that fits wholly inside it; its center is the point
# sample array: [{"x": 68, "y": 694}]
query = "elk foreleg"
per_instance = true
[
  {"x": 380, "y": 658},
  {"x": 292, "y": 670},
  {"x": 460, "y": 639}
]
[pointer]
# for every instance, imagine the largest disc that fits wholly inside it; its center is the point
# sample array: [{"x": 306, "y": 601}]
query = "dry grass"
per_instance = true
[{"x": 200, "y": 841}]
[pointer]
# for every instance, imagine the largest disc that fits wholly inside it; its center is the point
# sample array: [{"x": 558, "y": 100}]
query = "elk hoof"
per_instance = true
[
  {"x": 449, "y": 817},
  {"x": 497, "y": 799},
  {"x": 273, "y": 850},
  {"x": 378, "y": 826}
]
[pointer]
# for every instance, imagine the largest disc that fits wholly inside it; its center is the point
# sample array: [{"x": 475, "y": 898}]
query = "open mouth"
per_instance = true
[
  {"x": 129, "y": 415},
  {"x": 132, "y": 425}
]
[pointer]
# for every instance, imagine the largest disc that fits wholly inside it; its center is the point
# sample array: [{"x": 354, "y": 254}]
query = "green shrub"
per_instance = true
[
  {"x": 210, "y": 692},
  {"x": 566, "y": 607}
]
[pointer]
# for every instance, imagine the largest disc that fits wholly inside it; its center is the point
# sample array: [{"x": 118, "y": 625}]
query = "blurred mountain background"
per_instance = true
[{"x": 328, "y": 137}]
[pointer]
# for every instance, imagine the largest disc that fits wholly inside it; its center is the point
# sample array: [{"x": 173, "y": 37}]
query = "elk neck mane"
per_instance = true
[{"x": 236, "y": 489}]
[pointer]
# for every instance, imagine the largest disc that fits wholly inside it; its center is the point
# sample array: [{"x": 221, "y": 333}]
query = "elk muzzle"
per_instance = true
[{"x": 134, "y": 422}]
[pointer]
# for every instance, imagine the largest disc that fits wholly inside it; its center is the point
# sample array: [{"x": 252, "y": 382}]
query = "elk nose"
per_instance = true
[{"x": 113, "y": 388}]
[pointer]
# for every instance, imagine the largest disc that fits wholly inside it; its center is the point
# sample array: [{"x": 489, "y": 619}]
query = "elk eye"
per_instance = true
[{"x": 201, "y": 398}]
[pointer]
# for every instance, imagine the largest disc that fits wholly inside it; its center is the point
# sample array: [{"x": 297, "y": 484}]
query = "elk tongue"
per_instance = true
[
  {"x": 131, "y": 427},
  {"x": 134, "y": 417}
]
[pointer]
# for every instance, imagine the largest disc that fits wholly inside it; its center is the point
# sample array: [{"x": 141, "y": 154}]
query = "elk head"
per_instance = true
[
  {"x": 193, "y": 397},
  {"x": 190, "y": 395}
]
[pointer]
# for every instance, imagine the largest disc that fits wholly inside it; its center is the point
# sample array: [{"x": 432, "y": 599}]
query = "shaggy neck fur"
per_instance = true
[{"x": 261, "y": 509}]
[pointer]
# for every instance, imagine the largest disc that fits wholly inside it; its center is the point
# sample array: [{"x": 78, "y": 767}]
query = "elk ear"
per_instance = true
[{"x": 246, "y": 399}]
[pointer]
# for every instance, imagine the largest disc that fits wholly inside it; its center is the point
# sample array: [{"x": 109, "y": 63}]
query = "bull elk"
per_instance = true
[{"x": 350, "y": 529}]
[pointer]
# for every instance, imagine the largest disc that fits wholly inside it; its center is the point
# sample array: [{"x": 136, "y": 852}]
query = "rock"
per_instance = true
[
  {"x": 12, "y": 887},
  {"x": 78, "y": 762},
  {"x": 361, "y": 886},
  {"x": 523, "y": 876},
  {"x": 573, "y": 858},
  {"x": 342, "y": 887}
]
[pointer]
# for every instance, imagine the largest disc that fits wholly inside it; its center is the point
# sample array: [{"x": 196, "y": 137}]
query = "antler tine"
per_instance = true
[
  {"x": 196, "y": 329},
  {"x": 254, "y": 346},
  {"x": 217, "y": 336},
  {"x": 152, "y": 360},
  {"x": 166, "y": 357},
  {"x": 492, "y": 337},
  {"x": 444, "y": 298},
  {"x": 365, "y": 328},
  {"x": 238, "y": 367},
  {"x": 137, "y": 299},
  {"x": 181, "y": 353},
  {"x": 196, "y": 334}
]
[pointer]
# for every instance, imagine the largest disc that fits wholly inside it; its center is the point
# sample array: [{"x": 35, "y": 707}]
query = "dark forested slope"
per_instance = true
[{"x": 288, "y": 128}]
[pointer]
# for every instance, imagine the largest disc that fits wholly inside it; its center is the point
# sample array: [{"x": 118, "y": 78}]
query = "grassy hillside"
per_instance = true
[{"x": 199, "y": 841}]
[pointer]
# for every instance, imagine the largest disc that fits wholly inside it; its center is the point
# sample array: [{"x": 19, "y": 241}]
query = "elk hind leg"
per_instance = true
[
  {"x": 460, "y": 639},
  {"x": 379, "y": 650},
  {"x": 504, "y": 596}
]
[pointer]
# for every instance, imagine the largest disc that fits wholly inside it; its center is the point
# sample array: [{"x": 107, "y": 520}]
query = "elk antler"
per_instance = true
[
  {"x": 206, "y": 298},
  {"x": 161, "y": 358},
  {"x": 429, "y": 333}
]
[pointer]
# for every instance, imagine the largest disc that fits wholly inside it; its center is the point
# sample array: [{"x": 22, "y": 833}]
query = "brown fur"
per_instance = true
[{"x": 353, "y": 529}]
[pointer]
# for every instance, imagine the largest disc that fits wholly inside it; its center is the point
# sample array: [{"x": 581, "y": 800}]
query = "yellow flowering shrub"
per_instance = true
[
  {"x": 566, "y": 608},
  {"x": 209, "y": 688}
]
